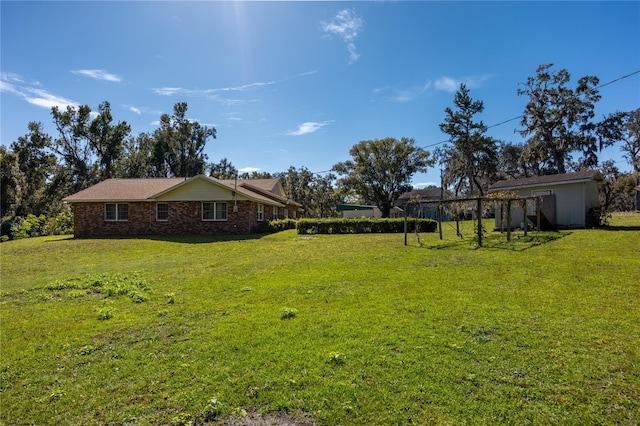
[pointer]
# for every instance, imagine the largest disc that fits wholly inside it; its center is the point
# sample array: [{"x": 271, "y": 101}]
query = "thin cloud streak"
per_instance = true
[
  {"x": 449, "y": 84},
  {"x": 99, "y": 75},
  {"x": 346, "y": 25},
  {"x": 175, "y": 91},
  {"x": 14, "y": 84},
  {"x": 308, "y": 127}
]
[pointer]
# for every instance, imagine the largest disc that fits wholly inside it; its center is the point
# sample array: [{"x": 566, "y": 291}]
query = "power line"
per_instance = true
[{"x": 520, "y": 116}]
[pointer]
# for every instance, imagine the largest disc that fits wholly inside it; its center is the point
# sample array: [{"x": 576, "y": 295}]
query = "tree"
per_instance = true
[
  {"x": 107, "y": 140},
  {"x": 381, "y": 170},
  {"x": 625, "y": 127},
  {"x": 297, "y": 186},
  {"x": 617, "y": 192},
  {"x": 473, "y": 156},
  {"x": 558, "y": 120},
  {"x": 73, "y": 147},
  {"x": 324, "y": 197},
  {"x": 511, "y": 161},
  {"x": 180, "y": 144},
  {"x": 137, "y": 161},
  {"x": 34, "y": 166},
  {"x": 223, "y": 170}
]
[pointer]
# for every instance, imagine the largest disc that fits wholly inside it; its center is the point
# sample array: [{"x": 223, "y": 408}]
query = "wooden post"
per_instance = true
[
  {"x": 440, "y": 220},
  {"x": 509, "y": 219},
  {"x": 538, "y": 213},
  {"x": 405, "y": 222},
  {"x": 479, "y": 214},
  {"x": 523, "y": 204}
]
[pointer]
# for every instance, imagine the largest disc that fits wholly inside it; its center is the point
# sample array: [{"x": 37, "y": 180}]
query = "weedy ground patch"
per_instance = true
[{"x": 334, "y": 329}]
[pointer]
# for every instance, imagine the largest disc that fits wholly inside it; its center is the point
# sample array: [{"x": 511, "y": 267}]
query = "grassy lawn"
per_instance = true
[{"x": 328, "y": 330}]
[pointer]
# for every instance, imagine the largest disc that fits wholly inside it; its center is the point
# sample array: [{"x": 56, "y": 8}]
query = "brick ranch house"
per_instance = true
[{"x": 173, "y": 206}]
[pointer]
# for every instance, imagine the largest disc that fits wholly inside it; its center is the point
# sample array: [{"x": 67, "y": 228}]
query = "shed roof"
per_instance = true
[{"x": 548, "y": 180}]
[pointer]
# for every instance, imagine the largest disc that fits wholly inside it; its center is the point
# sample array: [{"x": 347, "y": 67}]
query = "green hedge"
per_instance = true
[
  {"x": 363, "y": 226},
  {"x": 269, "y": 226}
]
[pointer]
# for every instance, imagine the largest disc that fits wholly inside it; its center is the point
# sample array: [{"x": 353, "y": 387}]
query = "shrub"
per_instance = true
[
  {"x": 363, "y": 226},
  {"x": 288, "y": 313},
  {"x": 30, "y": 226},
  {"x": 271, "y": 226}
]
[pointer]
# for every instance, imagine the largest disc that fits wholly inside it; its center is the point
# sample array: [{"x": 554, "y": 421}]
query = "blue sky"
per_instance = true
[{"x": 299, "y": 83}]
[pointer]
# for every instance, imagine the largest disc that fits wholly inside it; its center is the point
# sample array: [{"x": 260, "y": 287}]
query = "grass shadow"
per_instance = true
[
  {"x": 184, "y": 239},
  {"x": 497, "y": 241},
  {"x": 620, "y": 228}
]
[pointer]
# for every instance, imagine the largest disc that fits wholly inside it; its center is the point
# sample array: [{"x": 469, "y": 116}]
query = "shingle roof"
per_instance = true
[
  {"x": 584, "y": 176},
  {"x": 124, "y": 189},
  {"x": 262, "y": 190}
]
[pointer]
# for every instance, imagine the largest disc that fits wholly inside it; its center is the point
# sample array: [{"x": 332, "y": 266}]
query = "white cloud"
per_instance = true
[
  {"x": 134, "y": 109},
  {"x": 99, "y": 75},
  {"x": 14, "y": 84},
  {"x": 308, "y": 127},
  {"x": 249, "y": 169},
  {"x": 346, "y": 25},
  {"x": 449, "y": 84}
]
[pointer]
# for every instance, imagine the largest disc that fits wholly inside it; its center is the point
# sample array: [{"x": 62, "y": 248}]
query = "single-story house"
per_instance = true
[
  {"x": 172, "y": 206},
  {"x": 421, "y": 203},
  {"x": 570, "y": 200}
]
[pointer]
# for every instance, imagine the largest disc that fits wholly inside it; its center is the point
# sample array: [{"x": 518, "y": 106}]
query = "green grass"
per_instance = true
[{"x": 339, "y": 329}]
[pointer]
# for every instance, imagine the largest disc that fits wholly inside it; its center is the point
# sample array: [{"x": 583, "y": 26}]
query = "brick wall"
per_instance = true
[{"x": 185, "y": 217}]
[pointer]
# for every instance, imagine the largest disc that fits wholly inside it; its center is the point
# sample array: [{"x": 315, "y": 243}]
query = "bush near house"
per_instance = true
[{"x": 363, "y": 226}]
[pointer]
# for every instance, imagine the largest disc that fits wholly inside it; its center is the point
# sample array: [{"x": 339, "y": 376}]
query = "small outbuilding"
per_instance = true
[{"x": 569, "y": 200}]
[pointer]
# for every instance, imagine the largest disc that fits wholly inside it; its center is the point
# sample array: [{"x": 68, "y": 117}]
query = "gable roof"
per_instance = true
[
  {"x": 149, "y": 189},
  {"x": 548, "y": 180},
  {"x": 124, "y": 189}
]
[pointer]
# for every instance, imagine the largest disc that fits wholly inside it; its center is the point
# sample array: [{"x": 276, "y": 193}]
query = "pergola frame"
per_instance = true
[{"x": 479, "y": 200}]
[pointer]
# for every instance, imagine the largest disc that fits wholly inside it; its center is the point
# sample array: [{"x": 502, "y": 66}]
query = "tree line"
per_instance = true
[{"x": 558, "y": 124}]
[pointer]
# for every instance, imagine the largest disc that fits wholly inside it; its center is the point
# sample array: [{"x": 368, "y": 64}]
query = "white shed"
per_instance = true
[{"x": 575, "y": 194}]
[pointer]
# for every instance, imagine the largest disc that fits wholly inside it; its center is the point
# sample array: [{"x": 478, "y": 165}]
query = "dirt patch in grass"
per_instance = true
[{"x": 268, "y": 419}]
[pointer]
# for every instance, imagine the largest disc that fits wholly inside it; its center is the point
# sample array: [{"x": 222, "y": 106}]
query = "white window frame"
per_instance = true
[
  {"x": 219, "y": 212},
  {"x": 121, "y": 212},
  {"x": 260, "y": 216},
  {"x": 158, "y": 218},
  {"x": 275, "y": 213},
  {"x": 286, "y": 213},
  {"x": 295, "y": 214}
]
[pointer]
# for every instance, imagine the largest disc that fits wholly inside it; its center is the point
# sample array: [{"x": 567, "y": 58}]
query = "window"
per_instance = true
[
  {"x": 260, "y": 212},
  {"x": 214, "y": 211},
  {"x": 294, "y": 214},
  {"x": 275, "y": 213},
  {"x": 162, "y": 212},
  {"x": 540, "y": 192},
  {"x": 286, "y": 213},
  {"x": 116, "y": 212}
]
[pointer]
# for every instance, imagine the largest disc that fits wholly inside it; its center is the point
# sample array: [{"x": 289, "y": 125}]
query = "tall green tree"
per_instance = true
[
  {"x": 625, "y": 127},
  {"x": 180, "y": 143},
  {"x": 33, "y": 168},
  {"x": 73, "y": 147},
  {"x": 107, "y": 140},
  {"x": 473, "y": 156},
  {"x": 558, "y": 120},
  {"x": 223, "y": 170},
  {"x": 381, "y": 169},
  {"x": 297, "y": 186}
]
